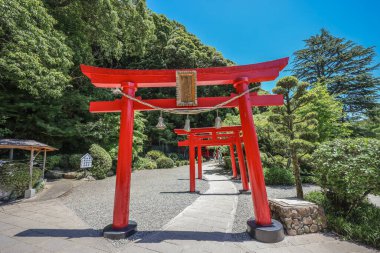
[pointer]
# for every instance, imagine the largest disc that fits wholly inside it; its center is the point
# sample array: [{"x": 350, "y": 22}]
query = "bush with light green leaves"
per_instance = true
[
  {"x": 101, "y": 163},
  {"x": 165, "y": 163},
  {"x": 14, "y": 177},
  {"x": 348, "y": 170}
]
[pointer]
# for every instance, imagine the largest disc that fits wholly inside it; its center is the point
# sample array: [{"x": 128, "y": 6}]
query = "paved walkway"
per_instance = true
[
  {"x": 55, "y": 189},
  {"x": 204, "y": 226}
]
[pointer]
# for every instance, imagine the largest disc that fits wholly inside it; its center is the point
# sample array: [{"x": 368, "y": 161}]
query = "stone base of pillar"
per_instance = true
[
  {"x": 30, "y": 193},
  {"x": 269, "y": 234},
  {"x": 118, "y": 234}
]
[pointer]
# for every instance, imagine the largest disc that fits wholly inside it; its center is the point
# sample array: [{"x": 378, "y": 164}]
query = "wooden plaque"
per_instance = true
[{"x": 186, "y": 88}]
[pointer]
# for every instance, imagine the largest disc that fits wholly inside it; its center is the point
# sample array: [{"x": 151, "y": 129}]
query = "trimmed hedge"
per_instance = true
[
  {"x": 14, "y": 177},
  {"x": 154, "y": 154},
  {"x": 165, "y": 162},
  {"x": 145, "y": 163},
  {"x": 278, "y": 176},
  {"x": 101, "y": 163}
]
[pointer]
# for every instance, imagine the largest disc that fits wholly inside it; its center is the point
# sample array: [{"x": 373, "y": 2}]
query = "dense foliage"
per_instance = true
[
  {"x": 14, "y": 177},
  {"x": 44, "y": 41},
  {"x": 362, "y": 225},
  {"x": 101, "y": 163},
  {"x": 278, "y": 176},
  {"x": 348, "y": 170}
]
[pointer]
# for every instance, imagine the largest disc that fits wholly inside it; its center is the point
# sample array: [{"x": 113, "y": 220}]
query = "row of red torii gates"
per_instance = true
[
  {"x": 262, "y": 227},
  {"x": 211, "y": 136}
]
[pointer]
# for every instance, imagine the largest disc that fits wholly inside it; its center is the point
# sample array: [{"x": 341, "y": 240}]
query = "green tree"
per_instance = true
[
  {"x": 344, "y": 66},
  {"x": 368, "y": 126},
  {"x": 33, "y": 55},
  {"x": 328, "y": 114},
  {"x": 299, "y": 129}
]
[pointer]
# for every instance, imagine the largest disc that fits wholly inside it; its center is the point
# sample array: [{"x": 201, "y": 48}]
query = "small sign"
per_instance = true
[
  {"x": 86, "y": 161},
  {"x": 186, "y": 88}
]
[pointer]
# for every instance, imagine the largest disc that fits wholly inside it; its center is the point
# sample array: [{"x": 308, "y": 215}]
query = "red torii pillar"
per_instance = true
[
  {"x": 199, "y": 162},
  {"x": 233, "y": 162},
  {"x": 192, "y": 164},
  {"x": 256, "y": 174},
  {"x": 243, "y": 170}
]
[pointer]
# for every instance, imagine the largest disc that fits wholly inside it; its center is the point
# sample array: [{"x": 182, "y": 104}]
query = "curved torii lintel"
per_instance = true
[{"x": 112, "y": 78}]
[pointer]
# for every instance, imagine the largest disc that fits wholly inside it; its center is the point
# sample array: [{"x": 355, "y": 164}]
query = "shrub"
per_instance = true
[
  {"x": 276, "y": 161},
  {"x": 227, "y": 162},
  {"x": 362, "y": 225},
  {"x": 52, "y": 161},
  {"x": 101, "y": 163},
  {"x": 64, "y": 162},
  {"x": 316, "y": 197},
  {"x": 154, "y": 154},
  {"x": 181, "y": 162},
  {"x": 74, "y": 161},
  {"x": 348, "y": 170},
  {"x": 173, "y": 156},
  {"x": 145, "y": 163},
  {"x": 14, "y": 177},
  {"x": 278, "y": 176},
  {"x": 165, "y": 162},
  {"x": 309, "y": 179}
]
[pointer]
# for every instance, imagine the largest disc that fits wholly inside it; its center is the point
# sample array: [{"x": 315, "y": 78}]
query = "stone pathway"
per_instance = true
[{"x": 204, "y": 226}]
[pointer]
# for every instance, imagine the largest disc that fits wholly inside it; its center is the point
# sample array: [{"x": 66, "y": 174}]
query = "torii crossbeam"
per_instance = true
[
  {"x": 211, "y": 136},
  {"x": 238, "y": 76}
]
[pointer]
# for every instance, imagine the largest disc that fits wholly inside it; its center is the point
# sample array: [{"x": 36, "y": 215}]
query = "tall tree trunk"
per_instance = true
[{"x": 297, "y": 174}]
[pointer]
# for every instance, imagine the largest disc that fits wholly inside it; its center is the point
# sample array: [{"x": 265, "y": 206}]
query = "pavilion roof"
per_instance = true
[
  {"x": 24, "y": 144},
  {"x": 112, "y": 78}
]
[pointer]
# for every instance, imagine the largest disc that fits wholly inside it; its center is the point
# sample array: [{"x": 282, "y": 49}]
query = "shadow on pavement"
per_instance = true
[
  {"x": 140, "y": 236},
  {"x": 68, "y": 233}
]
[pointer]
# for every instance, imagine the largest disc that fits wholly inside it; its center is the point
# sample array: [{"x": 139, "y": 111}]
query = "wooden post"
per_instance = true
[
  {"x": 11, "y": 154},
  {"x": 31, "y": 169},
  {"x": 44, "y": 165}
]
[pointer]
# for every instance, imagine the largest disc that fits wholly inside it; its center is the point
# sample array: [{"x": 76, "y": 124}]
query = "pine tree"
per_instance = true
[
  {"x": 344, "y": 66},
  {"x": 299, "y": 129}
]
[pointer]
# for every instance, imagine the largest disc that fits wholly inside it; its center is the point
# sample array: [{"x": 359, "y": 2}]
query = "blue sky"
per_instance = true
[{"x": 250, "y": 31}]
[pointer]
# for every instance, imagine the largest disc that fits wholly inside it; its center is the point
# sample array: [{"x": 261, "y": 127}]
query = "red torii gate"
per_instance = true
[
  {"x": 239, "y": 76},
  {"x": 211, "y": 136}
]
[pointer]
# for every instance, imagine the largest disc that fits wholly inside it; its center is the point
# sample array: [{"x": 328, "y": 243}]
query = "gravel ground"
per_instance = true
[{"x": 157, "y": 196}]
